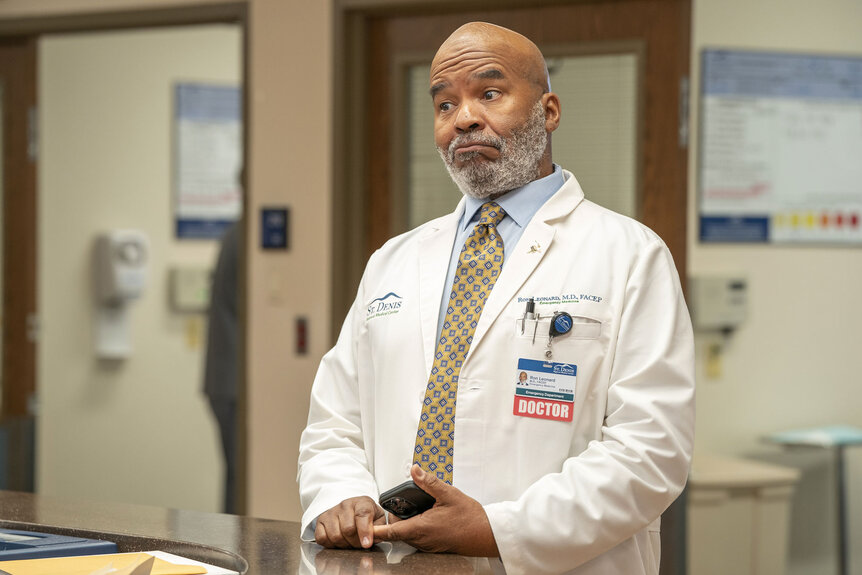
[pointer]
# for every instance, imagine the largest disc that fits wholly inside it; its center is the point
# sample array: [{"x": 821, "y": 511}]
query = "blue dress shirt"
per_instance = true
[{"x": 520, "y": 205}]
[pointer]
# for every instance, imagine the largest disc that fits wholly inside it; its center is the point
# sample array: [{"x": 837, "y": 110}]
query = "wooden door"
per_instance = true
[{"x": 18, "y": 314}]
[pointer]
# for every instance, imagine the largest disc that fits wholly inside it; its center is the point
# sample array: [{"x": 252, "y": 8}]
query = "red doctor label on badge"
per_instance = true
[
  {"x": 543, "y": 408},
  {"x": 545, "y": 390}
]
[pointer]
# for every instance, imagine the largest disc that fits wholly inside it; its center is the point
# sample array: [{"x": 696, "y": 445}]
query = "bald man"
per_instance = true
[{"x": 569, "y": 468}]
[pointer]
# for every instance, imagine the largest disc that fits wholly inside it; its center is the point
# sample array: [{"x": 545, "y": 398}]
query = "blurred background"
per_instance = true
[{"x": 153, "y": 126}]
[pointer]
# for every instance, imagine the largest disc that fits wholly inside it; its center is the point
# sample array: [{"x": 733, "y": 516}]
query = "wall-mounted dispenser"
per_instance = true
[
  {"x": 718, "y": 303},
  {"x": 120, "y": 276}
]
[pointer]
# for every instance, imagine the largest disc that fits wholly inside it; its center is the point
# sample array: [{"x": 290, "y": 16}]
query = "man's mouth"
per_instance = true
[
  {"x": 472, "y": 147},
  {"x": 468, "y": 150}
]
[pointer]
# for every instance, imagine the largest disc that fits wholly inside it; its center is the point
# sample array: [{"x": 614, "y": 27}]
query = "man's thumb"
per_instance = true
[{"x": 429, "y": 482}]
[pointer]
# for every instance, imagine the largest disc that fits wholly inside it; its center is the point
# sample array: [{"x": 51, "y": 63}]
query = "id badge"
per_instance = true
[{"x": 545, "y": 389}]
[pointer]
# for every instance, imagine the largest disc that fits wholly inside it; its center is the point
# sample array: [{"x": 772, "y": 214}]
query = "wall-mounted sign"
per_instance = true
[
  {"x": 274, "y": 226},
  {"x": 781, "y": 148},
  {"x": 207, "y": 159}
]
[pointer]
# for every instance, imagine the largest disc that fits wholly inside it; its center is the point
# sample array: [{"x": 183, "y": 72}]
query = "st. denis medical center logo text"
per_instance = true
[{"x": 386, "y": 305}]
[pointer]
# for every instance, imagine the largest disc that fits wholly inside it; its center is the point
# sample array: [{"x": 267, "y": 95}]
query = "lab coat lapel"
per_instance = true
[
  {"x": 531, "y": 249},
  {"x": 435, "y": 249}
]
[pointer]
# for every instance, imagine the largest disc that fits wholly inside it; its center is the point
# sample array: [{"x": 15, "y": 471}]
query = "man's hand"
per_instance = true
[
  {"x": 349, "y": 524},
  {"x": 456, "y": 524}
]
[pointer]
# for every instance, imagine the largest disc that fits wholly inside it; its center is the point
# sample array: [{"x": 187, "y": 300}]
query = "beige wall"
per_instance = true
[
  {"x": 139, "y": 429},
  {"x": 291, "y": 163},
  {"x": 796, "y": 361}
]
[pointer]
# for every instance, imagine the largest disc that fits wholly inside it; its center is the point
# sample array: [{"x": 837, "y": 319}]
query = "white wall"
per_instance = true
[
  {"x": 138, "y": 430},
  {"x": 797, "y": 360}
]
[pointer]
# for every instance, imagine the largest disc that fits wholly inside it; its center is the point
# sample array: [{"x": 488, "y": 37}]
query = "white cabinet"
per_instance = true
[{"x": 738, "y": 516}]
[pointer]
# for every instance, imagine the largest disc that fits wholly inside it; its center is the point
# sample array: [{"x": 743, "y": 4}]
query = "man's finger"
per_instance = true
[
  {"x": 320, "y": 536},
  {"x": 429, "y": 482},
  {"x": 336, "y": 537},
  {"x": 365, "y": 527},
  {"x": 348, "y": 526},
  {"x": 356, "y": 517},
  {"x": 387, "y": 532}
]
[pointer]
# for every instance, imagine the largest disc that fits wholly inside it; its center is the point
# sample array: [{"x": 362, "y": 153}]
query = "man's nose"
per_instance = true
[{"x": 466, "y": 120}]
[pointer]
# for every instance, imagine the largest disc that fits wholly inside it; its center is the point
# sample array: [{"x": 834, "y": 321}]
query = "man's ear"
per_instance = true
[{"x": 551, "y": 103}]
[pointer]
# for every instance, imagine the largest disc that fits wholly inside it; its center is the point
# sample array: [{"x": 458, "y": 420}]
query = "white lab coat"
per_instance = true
[{"x": 582, "y": 496}]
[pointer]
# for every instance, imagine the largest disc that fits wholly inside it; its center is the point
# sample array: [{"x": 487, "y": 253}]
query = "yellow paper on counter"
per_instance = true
[
  {"x": 87, "y": 564},
  {"x": 145, "y": 567}
]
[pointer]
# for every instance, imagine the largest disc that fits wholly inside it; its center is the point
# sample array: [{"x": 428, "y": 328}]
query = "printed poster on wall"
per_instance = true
[
  {"x": 781, "y": 148},
  {"x": 208, "y": 159}
]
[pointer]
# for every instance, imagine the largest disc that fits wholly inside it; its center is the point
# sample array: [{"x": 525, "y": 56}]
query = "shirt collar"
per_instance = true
[{"x": 521, "y": 204}]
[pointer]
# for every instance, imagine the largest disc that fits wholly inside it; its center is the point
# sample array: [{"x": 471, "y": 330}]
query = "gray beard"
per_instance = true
[{"x": 518, "y": 164}]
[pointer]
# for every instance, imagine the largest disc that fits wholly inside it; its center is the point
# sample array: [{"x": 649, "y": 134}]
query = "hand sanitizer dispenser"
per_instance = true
[{"x": 120, "y": 276}]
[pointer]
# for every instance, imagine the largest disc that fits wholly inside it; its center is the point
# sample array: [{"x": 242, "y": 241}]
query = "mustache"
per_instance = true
[{"x": 471, "y": 139}]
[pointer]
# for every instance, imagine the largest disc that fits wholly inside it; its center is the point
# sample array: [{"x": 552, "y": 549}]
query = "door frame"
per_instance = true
[
  {"x": 18, "y": 71},
  {"x": 234, "y": 12}
]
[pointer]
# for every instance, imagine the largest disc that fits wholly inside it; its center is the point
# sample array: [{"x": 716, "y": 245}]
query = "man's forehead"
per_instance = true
[
  {"x": 475, "y": 64},
  {"x": 473, "y": 47},
  {"x": 479, "y": 46}
]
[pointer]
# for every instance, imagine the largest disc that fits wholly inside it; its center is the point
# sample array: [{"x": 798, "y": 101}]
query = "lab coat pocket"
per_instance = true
[{"x": 583, "y": 327}]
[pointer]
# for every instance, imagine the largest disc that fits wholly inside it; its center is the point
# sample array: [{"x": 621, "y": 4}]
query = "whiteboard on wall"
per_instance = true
[
  {"x": 207, "y": 159},
  {"x": 781, "y": 148}
]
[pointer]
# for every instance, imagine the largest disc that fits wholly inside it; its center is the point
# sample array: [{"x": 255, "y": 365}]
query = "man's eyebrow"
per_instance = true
[
  {"x": 490, "y": 74},
  {"x": 437, "y": 88}
]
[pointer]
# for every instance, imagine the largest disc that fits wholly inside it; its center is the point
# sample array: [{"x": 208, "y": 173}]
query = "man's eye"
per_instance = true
[
  {"x": 445, "y": 106},
  {"x": 491, "y": 94}
]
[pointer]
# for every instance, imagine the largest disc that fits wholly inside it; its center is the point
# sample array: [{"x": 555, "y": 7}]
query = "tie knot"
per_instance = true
[{"x": 491, "y": 214}]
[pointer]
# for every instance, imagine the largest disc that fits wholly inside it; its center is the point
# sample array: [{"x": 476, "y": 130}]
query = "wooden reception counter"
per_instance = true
[{"x": 242, "y": 544}]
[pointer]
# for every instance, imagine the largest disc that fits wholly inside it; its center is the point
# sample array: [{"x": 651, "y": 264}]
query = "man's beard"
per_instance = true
[{"x": 518, "y": 163}]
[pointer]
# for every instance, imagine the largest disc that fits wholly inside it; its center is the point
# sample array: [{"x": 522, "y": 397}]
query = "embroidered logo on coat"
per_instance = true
[{"x": 387, "y": 305}]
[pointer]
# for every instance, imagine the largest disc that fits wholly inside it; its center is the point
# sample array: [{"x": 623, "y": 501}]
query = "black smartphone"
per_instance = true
[{"x": 406, "y": 500}]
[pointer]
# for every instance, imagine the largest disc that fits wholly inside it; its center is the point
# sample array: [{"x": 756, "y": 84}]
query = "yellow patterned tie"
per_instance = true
[{"x": 479, "y": 266}]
